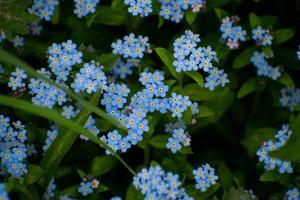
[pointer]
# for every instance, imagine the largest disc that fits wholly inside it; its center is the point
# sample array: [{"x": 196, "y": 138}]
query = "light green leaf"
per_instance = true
[
  {"x": 55, "y": 17},
  {"x": 101, "y": 165},
  {"x": 283, "y": 35},
  {"x": 196, "y": 76},
  {"x": 167, "y": 59},
  {"x": 81, "y": 173},
  {"x": 247, "y": 88}
]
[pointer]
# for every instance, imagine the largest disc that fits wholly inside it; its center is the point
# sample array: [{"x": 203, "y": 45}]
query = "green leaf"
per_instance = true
[
  {"x": 196, "y": 76},
  {"x": 33, "y": 174},
  {"x": 286, "y": 80},
  {"x": 107, "y": 60},
  {"x": 291, "y": 150},
  {"x": 273, "y": 176},
  {"x": 196, "y": 93},
  {"x": 283, "y": 35},
  {"x": 187, "y": 115},
  {"x": 255, "y": 139},
  {"x": 81, "y": 173},
  {"x": 161, "y": 22},
  {"x": 190, "y": 16},
  {"x": 133, "y": 194},
  {"x": 221, "y": 14},
  {"x": 186, "y": 150},
  {"x": 101, "y": 165},
  {"x": 243, "y": 58},
  {"x": 254, "y": 20},
  {"x": 268, "y": 20},
  {"x": 12, "y": 60},
  {"x": 233, "y": 194},
  {"x": 107, "y": 16},
  {"x": 159, "y": 141},
  {"x": 204, "y": 111},
  {"x": 51, "y": 158},
  {"x": 55, "y": 16},
  {"x": 248, "y": 87},
  {"x": 167, "y": 59},
  {"x": 198, "y": 195},
  {"x": 225, "y": 177},
  {"x": 115, "y": 4}
]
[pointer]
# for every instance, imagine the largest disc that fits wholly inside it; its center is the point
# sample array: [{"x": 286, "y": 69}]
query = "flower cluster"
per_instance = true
[
  {"x": 90, "y": 126},
  {"x": 131, "y": 46},
  {"x": 88, "y": 185},
  {"x": 2, "y": 35},
  {"x": 18, "y": 42},
  {"x": 205, "y": 177},
  {"x": 35, "y": 29},
  {"x": 13, "y": 150},
  {"x": 178, "y": 137},
  {"x": 90, "y": 78},
  {"x": 44, "y": 8},
  {"x": 264, "y": 156},
  {"x": 116, "y": 198},
  {"x": 50, "y": 191},
  {"x": 155, "y": 183},
  {"x": 290, "y": 97},
  {"x": 51, "y": 135},
  {"x": 139, "y": 7},
  {"x": 85, "y": 7},
  {"x": 174, "y": 10},
  {"x": 124, "y": 68},
  {"x": 61, "y": 58},
  {"x": 262, "y": 36},
  {"x": 152, "y": 97},
  {"x": 298, "y": 52},
  {"x": 189, "y": 57},
  {"x": 231, "y": 33},
  {"x": 262, "y": 66},
  {"x": 3, "y": 193},
  {"x": 45, "y": 94},
  {"x": 292, "y": 194},
  {"x": 16, "y": 79}
]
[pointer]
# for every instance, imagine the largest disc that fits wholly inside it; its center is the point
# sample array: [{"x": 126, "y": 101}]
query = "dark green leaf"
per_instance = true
[
  {"x": 33, "y": 174},
  {"x": 190, "y": 16},
  {"x": 243, "y": 58},
  {"x": 198, "y": 195},
  {"x": 159, "y": 141},
  {"x": 221, "y": 14},
  {"x": 286, "y": 80},
  {"x": 255, "y": 139},
  {"x": 254, "y": 20},
  {"x": 106, "y": 15},
  {"x": 133, "y": 194},
  {"x": 247, "y": 88},
  {"x": 283, "y": 35},
  {"x": 204, "y": 112}
]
